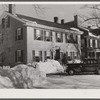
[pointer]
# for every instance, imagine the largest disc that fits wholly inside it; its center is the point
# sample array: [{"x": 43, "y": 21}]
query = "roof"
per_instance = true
[
  {"x": 70, "y": 24},
  {"x": 43, "y": 22},
  {"x": 95, "y": 31}
]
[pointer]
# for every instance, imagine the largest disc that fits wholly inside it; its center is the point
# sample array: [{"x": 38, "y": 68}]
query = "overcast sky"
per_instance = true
[{"x": 66, "y": 12}]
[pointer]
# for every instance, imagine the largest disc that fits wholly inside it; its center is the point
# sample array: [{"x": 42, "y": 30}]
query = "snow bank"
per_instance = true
[
  {"x": 21, "y": 76},
  {"x": 50, "y": 66}
]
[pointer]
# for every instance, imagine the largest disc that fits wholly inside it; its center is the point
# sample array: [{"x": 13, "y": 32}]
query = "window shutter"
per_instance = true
[
  {"x": 51, "y": 55},
  {"x": 76, "y": 39},
  {"x": 44, "y": 35},
  {"x": 61, "y": 37},
  {"x": 16, "y": 34},
  {"x": 21, "y": 33},
  {"x": 3, "y": 23},
  {"x": 45, "y": 55},
  {"x": 33, "y": 55},
  {"x": 65, "y": 37},
  {"x": 16, "y": 56},
  {"x": 56, "y": 36},
  {"x": 22, "y": 55},
  {"x": 51, "y": 35},
  {"x": 41, "y": 34},
  {"x": 34, "y": 34},
  {"x": 8, "y": 22},
  {"x": 40, "y": 55}
]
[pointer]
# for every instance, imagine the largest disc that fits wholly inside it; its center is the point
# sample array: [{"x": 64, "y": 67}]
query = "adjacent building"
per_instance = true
[
  {"x": 90, "y": 42},
  {"x": 24, "y": 39}
]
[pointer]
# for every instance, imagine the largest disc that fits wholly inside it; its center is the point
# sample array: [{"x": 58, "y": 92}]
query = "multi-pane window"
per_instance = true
[
  {"x": 36, "y": 57},
  {"x": 96, "y": 44},
  {"x": 19, "y": 56},
  {"x": 48, "y": 54},
  {"x": 38, "y": 34},
  {"x": 6, "y": 22},
  {"x": 59, "y": 37},
  {"x": 19, "y": 34},
  {"x": 47, "y": 35},
  {"x": 69, "y": 38}
]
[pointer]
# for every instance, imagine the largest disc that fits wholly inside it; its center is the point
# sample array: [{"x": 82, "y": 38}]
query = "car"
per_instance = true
[{"x": 87, "y": 65}]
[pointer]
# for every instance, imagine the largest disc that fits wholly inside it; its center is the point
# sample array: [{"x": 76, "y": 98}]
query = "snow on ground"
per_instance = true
[
  {"x": 73, "y": 82},
  {"x": 21, "y": 76},
  {"x": 28, "y": 76}
]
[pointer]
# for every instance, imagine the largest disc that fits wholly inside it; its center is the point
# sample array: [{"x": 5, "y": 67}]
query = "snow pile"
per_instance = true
[
  {"x": 50, "y": 66},
  {"x": 21, "y": 76}
]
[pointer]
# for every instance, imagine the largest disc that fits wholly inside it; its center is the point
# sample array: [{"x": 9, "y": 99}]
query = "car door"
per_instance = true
[
  {"x": 88, "y": 66},
  {"x": 94, "y": 65}
]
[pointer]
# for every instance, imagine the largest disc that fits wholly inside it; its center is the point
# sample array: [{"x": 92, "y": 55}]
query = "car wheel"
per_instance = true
[
  {"x": 71, "y": 72},
  {"x": 99, "y": 71}
]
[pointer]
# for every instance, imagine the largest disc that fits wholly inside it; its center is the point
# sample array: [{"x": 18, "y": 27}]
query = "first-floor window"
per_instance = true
[
  {"x": 36, "y": 57},
  {"x": 19, "y": 56}
]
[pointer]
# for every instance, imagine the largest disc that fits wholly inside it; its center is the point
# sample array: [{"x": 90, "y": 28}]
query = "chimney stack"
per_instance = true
[
  {"x": 12, "y": 9},
  {"x": 76, "y": 20},
  {"x": 55, "y": 19},
  {"x": 62, "y": 21}
]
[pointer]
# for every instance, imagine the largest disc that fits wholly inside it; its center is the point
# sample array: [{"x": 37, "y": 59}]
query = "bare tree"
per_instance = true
[{"x": 93, "y": 17}]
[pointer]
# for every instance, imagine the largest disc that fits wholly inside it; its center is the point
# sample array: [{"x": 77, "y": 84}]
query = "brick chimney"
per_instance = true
[
  {"x": 62, "y": 21},
  {"x": 12, "y": 9},
  {"x": 55, "y": 19},
  {"x": 76, "y": 20}
]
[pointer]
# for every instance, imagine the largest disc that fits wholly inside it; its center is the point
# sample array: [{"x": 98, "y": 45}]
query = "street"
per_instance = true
[{"x": 72, "y": 82}]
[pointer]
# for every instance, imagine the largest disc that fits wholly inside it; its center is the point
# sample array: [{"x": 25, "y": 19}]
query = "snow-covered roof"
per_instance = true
[
  {"x": 92, "y": 35},
  {"x": 76, "y": 29}
]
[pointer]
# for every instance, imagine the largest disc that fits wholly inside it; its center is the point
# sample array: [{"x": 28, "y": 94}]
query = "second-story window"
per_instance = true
[
  {"x": 68, "y": 38},
  {"x": 38, "y": 34},
  {"x": 7, "y": 22},
  {"x": 59, "y": 37},
  {"x": 19, "y": 34},
  {"x": 47, "y": 35}
]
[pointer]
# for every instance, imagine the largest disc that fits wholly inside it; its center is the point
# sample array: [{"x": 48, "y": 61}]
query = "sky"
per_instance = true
[{"x": 49, "y": 11}]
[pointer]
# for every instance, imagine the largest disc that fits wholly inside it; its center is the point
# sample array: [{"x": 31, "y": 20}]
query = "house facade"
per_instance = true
[
  {"x": 25, "y": 39},
  {"x": 90, "y": 42}
]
